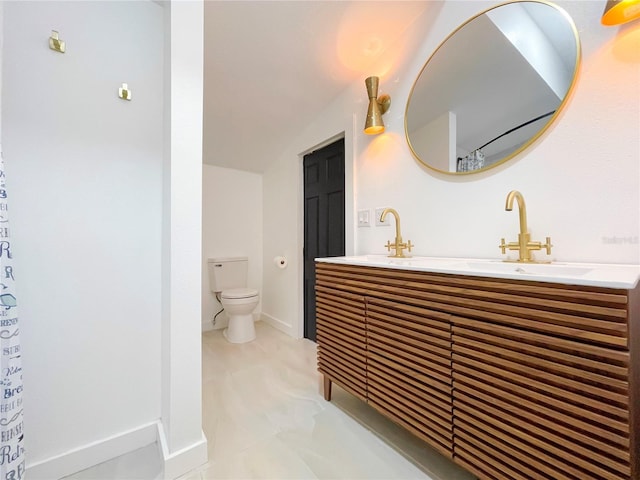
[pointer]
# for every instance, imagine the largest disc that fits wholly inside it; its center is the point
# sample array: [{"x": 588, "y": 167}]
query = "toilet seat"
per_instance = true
[{"x": 237, "y": 293}]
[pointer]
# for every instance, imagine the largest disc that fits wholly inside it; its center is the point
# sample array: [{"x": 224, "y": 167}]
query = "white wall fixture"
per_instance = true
[
  {"x": 378, "y": 106},
  {"x": 124, "y": 92},
  {"x": 55, "y": 43},
  {"x": 281, "y": 262},
  {"x": 364, "y": 219}
]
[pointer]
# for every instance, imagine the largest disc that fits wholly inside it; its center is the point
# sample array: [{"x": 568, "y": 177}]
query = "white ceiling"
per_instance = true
[{"x": 270, "y": 67}]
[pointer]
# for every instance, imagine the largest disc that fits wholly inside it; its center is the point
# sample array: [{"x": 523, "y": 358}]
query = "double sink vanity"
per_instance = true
[{"x": 512, "y": 370}]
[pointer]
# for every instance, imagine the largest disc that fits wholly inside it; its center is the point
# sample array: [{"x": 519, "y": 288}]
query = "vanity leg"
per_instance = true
[{"x": 327, "y": 388}]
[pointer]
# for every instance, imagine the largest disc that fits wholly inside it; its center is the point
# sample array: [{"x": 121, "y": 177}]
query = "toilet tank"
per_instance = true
[{"x": 226, "y": 273}]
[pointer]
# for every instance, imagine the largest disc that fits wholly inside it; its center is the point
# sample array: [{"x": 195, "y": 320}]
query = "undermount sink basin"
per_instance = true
[{"x": 546, "y": 269}]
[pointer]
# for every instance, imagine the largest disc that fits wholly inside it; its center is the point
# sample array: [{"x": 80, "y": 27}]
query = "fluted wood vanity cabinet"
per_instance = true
[
  {"x": 511, "y": 379},
  {"x": 341, "y": 335},
  {"x": 542, "y": 386},
  {"x": 409, "y": 369}
]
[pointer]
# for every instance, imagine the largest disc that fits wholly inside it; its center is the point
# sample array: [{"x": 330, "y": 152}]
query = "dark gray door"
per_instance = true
[{"x": 323, "y": 219}]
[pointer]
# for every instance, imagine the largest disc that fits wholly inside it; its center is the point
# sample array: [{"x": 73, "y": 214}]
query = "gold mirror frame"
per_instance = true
[{"x": 576, "y": 51}]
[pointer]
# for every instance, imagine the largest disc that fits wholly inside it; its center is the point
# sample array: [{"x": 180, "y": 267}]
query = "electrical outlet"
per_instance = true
[
  {"x": 387, "y": 220},
  {"x": 364, "y": 218}
]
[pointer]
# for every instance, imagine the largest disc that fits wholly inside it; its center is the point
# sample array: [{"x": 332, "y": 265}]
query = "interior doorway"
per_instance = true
[{"x": 324, "y": 218}]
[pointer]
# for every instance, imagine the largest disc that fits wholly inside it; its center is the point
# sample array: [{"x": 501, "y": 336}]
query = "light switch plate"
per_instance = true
[
  {"x": 364, "y": 218},
  {"x": 387, "y": 220}
]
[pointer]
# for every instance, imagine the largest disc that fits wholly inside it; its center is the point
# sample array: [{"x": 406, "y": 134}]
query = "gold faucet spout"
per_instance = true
[
  {"x": 522, "y": 209},
  {"x": 397, "y": 217}
]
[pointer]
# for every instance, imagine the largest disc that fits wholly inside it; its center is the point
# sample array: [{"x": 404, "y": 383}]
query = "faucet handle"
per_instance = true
[
  {"x": 409, "y": 245},
  {"x": 548, "y": 246},
  {"x": 388, "y": 245},
  {"x": 503, "y": 246}
]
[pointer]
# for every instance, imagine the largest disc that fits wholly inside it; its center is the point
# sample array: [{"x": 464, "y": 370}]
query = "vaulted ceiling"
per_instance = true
[{"x": 270, "y": 67}]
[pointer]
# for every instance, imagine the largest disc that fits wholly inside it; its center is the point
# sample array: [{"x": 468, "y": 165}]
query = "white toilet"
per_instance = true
[{"x": 228, "y": 280}]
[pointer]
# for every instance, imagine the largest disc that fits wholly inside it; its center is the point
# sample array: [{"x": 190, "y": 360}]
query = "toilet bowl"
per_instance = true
[
  {"x": 239, "y": 304},
  {"x": 228, "y": 281}
]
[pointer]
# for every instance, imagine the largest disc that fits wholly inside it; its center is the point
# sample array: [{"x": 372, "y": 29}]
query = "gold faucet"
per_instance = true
[
  {"x": 524, "y": 244},
  {"x": 399, "y": 246}
]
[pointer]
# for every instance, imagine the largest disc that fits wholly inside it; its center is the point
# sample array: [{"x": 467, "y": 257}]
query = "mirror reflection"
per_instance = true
[{"x": 492, "y": 87}]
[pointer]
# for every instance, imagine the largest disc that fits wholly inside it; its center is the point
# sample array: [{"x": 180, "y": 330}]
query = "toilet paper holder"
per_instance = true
[{"x": 280, "y": 262}]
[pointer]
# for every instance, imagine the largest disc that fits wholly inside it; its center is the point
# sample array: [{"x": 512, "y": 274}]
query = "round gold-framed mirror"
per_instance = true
[{"x": 492, "y": 87}]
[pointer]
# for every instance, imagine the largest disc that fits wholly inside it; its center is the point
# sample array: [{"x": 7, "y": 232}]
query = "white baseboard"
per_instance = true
[
  {"x": 278, "y": 324},
  {"x": 183, "y": 461},
  {"x": 93, "y": 453},
  {"x": 175, "y": 464}
]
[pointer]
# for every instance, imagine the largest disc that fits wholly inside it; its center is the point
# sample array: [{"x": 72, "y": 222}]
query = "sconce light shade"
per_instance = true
[
  {"x": 377, "y": 107},
  {"x": 617, "y": 12}
]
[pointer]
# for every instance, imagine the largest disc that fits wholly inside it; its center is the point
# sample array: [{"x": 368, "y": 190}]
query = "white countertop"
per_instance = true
[{"x": 593, "y": 274}]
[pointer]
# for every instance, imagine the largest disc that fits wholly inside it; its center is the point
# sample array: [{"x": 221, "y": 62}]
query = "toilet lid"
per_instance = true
[{"x": 239, "y": 293}]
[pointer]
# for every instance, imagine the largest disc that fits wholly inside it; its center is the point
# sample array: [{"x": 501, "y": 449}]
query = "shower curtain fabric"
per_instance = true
[{"x": 12, "y": 461}]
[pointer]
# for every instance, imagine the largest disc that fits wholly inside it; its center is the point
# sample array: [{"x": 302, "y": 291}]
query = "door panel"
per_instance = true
[{"x": 323, "y": 218}]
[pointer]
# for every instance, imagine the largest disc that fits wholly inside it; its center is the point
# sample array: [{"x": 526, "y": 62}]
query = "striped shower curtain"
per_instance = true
[{"x": 12, "y": 465}]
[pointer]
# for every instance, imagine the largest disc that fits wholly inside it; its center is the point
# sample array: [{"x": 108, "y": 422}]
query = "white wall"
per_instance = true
[
  {"x": 581, "y": 179},
  {"x": 283, "y": 226},
  {"x": 111, "y": 332},
  {"x": 281, "y": 292},
  {"x": 85, "y": 173},
  {"x": 231, "y": 227}
]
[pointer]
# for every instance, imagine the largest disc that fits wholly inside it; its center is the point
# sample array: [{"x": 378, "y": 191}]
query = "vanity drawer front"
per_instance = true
[
  {"x": 593, "y": 314},
  {"x": 418, "y": 336},
  {"x": 409, "y": 369},
  {"x": 534, "y": 406},
  {"x": 419, "y": 411},
  {"x": 341, "y": 336}
]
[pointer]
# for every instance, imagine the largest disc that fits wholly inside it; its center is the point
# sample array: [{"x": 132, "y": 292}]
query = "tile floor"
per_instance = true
[
  {"x": 142, "y": 464},
  {"x": 265, "y": 418}
]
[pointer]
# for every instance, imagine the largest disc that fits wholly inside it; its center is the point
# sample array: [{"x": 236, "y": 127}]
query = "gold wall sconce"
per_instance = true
[
  {"x": 55, "y": 43},
  {"x": 124, "y": 92},
  {"x": 378, "y": 106},
  {"x": 617, "y": 12}
]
